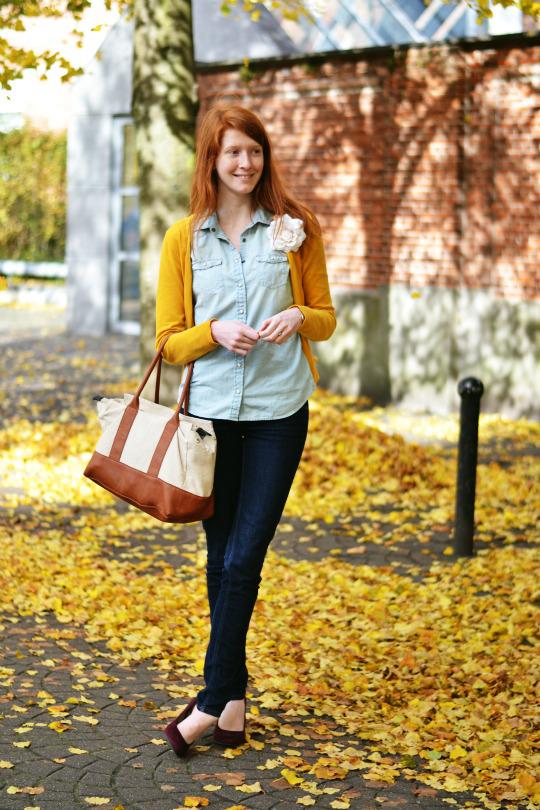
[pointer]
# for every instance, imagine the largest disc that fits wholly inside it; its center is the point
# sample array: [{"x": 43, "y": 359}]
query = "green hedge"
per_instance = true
[{"x": 32, "y": 195}]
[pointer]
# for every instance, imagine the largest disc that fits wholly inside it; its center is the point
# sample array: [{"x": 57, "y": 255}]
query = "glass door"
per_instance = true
[{"x": 125, "y": 248}]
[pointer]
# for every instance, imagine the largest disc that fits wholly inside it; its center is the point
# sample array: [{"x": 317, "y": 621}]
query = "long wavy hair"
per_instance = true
[{"x": 270, "y": 192}]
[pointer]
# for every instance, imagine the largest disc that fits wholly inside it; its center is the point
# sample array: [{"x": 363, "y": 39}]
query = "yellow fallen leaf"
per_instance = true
[
  {"x": 96, "y": 800},
  {"x": 233, "y": 753},
  {"x": 270, "y": 764},
  {"x": 322, "y": 771},
  {"x": 457, "y": 752},
  {"x": 73, "y": 750},
  {"x": 33, "y": 791},
  {"x": 24, "y": 744},
  {"x": 291, "y": 777},
  {"x": 59, "y": 726},
  {"x": 4, "y": 763},
  {"x": 83, "y": 718},
  {"x": 195, "y": 801},
  {"x": 527, "y": 781},
  {"x": 255, "y": 787},
  {"x": 57, "y": 710}
]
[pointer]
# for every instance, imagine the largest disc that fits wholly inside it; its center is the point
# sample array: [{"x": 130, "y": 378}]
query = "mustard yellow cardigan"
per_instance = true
[{"x": 174, "y": 303}]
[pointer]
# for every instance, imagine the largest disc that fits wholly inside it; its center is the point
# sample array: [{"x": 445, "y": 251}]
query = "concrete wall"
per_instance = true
[{"x": 411, "y": 347}]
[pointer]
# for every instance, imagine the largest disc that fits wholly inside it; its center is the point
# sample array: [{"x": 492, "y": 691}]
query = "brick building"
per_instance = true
[{"x": 422, "y": 163}]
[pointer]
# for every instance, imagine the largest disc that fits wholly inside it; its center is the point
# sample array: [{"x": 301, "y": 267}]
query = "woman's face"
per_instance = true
[{"x": 239, "y": 164}]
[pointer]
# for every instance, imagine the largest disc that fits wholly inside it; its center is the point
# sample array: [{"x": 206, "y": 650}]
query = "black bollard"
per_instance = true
[{"x": 470, "y": 390}]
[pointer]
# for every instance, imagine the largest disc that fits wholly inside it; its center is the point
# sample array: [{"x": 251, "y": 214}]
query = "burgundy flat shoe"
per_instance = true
[
  {"x": 179, "y": 745},
  {"x": 231, "y": 739}
]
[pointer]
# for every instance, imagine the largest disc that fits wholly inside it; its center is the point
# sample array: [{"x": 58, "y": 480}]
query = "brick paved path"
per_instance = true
[{"x": 125, "y": 757}]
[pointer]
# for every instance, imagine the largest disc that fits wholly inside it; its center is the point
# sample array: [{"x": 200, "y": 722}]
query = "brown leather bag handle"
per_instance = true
[
  {"x": 131, "y": 411},
  {"x": 170, "y": 428},
  {"x": 157, "y": 360}
]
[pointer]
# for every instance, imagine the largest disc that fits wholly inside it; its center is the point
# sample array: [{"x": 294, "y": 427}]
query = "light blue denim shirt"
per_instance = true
[{"x": 249, "y": 285}]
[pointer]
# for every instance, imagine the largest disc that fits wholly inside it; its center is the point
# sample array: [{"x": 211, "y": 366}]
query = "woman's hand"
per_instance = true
[
  {"x": 280, "y": 327},
  {"x": 235, "y": 336}
]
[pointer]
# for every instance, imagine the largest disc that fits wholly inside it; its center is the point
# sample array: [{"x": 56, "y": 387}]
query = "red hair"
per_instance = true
[{"x": 270, "y": 191}]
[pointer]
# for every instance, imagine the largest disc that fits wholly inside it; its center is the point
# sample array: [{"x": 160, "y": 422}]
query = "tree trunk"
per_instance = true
[{"x": 164, "y": 110}]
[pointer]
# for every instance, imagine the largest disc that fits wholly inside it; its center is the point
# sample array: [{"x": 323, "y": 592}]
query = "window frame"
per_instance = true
[{"x": 117, "y": 253}]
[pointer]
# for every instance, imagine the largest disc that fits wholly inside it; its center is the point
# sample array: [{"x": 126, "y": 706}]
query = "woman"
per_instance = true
[{"x": 242, "y": 289}]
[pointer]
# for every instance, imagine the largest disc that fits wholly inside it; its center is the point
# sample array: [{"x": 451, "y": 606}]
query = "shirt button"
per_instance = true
[
  {"x": 213, "y": 230},
  {"x": 243, "y": 239},
  {"x": 237, "y": 390}
]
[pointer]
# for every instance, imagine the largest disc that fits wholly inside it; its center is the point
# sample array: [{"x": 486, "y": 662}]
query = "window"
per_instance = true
[
  {"x": 125, "y": 247},
  {"x": 346, "y": 24}
]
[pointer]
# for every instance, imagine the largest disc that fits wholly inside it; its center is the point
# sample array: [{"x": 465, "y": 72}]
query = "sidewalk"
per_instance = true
[{"x": 83, "y": 729}]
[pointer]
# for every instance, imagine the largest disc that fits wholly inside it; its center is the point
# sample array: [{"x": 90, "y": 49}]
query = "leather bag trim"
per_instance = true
[{"x": 163, "y": 501}]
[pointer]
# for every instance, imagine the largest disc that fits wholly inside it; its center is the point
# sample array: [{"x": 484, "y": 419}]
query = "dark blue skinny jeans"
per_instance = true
[{"x": 255, "y": 466}]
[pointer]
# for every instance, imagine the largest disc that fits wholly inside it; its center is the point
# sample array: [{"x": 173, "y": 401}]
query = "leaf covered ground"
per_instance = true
[{"x": 436, "y": 675}]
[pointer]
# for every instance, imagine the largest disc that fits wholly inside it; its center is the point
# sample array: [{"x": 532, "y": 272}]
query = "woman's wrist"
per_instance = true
[{"x": 302, "y": 316}]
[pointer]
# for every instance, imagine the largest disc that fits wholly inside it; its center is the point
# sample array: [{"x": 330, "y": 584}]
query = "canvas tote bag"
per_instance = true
[{"x": 161, "y": 461}]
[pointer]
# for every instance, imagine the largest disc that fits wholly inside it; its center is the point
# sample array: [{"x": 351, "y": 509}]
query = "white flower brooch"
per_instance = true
[{"x": 286, "y": 233}]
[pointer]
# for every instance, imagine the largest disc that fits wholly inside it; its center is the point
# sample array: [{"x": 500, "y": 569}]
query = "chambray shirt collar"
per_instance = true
[{"x": 260, "y": 215}]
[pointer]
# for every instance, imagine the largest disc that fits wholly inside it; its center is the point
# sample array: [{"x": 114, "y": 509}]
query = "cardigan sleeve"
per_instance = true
[
  {"x": 184, "y": 345},
  {"x": 318, "y": 310}
]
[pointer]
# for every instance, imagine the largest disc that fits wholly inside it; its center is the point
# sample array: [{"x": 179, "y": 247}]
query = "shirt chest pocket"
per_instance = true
[
  {"x": 207, "y": 276},
  {"x": 271, "y": 270}
]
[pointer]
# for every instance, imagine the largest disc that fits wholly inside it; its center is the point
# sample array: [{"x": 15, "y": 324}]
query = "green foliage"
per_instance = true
[
  {"x": 32, "y": 195},
  {"x": 484, "y": 8},
  {"x": 245, "y": 73},
  {"x": 14, "y": 60},
  {"x": 311, "y": 68},
  {"x": 289, "y": 9},
  {"x": 295, "y": 9}
]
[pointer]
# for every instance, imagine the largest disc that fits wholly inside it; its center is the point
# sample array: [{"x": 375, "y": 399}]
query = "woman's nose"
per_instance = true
[{"x": 245, "y": 159}]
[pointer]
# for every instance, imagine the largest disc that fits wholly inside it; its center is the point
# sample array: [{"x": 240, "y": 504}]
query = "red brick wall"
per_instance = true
[{"x": 423, "y": 167}]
